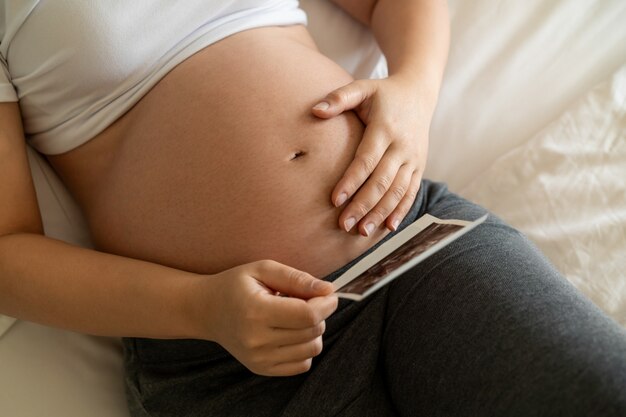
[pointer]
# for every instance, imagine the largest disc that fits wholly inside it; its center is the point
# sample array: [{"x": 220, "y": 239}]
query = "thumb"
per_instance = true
[
  {"x": 291, "y": 281},
  {"x": 342, "y": 99}
]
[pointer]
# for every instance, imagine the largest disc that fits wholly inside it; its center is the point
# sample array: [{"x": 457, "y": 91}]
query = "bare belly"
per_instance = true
[{"x": 222, "y": 163}]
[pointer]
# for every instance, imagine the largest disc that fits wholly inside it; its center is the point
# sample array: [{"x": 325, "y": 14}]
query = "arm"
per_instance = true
[
  {"x": 57, "y": 284},
  {"x": 414, "y": 35},
  {"x": 54, "y": 283},
  {"x": 385, "y": 175},
  {"x": 51, "y": 282}
]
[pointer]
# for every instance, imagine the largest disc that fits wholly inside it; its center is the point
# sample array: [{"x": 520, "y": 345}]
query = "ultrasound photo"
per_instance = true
[
  {"x": 413, "y": 247},
  {"x": 426, "y": 232}
]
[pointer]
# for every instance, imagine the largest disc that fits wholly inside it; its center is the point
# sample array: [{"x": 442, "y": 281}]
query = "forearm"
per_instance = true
[
  {"x": 414, "y": 35},
  {"x": 54, "y": 283}
]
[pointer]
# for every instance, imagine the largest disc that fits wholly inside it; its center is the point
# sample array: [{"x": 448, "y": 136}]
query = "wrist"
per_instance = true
[
  {"x": 189, "y": 306},
  {"x": 194, "y": 306},
  {"x": 424, "y": 84}
]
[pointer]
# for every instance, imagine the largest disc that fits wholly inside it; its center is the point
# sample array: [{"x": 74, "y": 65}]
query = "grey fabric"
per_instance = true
[{"x": 486, "y": 327}]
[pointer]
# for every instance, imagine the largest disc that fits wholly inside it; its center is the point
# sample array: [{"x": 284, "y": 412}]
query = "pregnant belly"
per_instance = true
[{"x": 221, "y": 163}]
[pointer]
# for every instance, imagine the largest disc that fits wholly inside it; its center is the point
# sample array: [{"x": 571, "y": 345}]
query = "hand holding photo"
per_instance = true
[{"x": 417, "y": 242}]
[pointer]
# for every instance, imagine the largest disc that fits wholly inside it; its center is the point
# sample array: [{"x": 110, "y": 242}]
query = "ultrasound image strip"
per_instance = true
[
  {"x": 415, "y": 246},
  {"x": 434, "y": 236}
]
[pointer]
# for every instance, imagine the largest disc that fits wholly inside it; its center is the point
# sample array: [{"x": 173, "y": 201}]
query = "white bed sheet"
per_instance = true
[
  {"x": 513, "y": 68},
  {"x": 566, "y": 190}
]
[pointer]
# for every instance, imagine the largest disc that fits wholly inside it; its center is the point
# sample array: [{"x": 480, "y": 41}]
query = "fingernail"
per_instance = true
[
  {"x": 349, "y": 223},
  {"x": 341, "y": 199},
  {"x": 395, "y": 224},
  {"x": 320, "y": 285},
  {"x": 369, "y": 228},
  {"x": 321, "y": 106}
]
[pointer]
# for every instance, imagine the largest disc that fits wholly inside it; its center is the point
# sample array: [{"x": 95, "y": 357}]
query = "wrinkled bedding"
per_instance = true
[{"x": 566, "y": 189}]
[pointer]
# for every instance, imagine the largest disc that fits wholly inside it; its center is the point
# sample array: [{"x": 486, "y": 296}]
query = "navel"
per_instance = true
[{"x": 298, "y": 154}]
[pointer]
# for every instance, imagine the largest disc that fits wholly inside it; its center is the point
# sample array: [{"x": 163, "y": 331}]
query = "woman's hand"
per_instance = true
[
  {"x": 251, "y": 317},
  {"x": 387, "y": 169}
]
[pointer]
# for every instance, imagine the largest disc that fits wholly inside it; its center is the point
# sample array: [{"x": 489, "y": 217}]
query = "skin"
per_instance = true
[{"x": 232, "y": 301}]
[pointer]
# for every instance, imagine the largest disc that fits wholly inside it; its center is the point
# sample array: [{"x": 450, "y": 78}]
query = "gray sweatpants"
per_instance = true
[{"x": 486, "y": 327}]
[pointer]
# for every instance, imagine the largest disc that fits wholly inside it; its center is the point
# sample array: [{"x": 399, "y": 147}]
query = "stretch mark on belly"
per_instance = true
[{"x": 298, "y": 155}]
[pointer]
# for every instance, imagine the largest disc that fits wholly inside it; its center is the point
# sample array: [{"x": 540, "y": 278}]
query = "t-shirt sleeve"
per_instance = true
[{"x": 7, "y": 90}]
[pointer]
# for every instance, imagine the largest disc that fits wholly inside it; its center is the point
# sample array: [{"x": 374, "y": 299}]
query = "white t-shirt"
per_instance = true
[{"x": 76, "y": 66}]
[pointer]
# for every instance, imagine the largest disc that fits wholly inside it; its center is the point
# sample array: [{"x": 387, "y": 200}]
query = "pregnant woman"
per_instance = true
[{"x": 221, "y": 159}]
